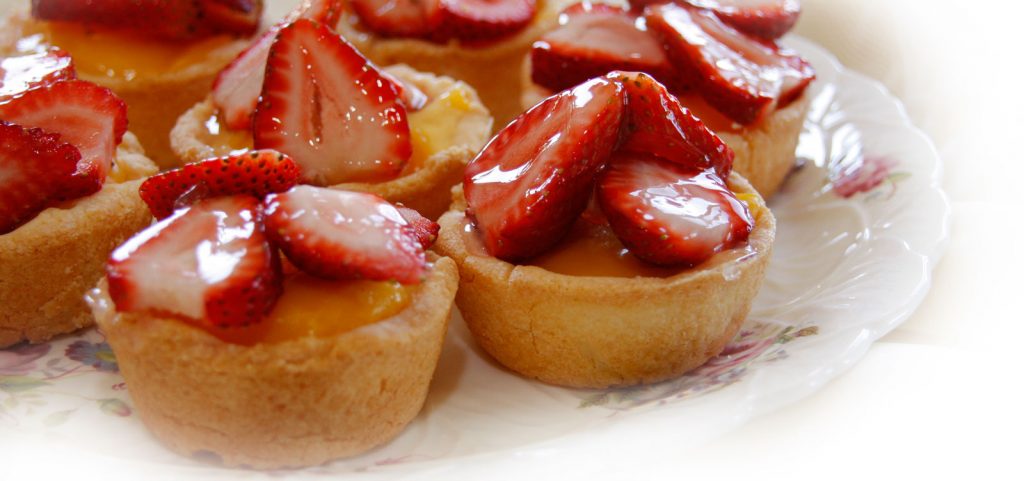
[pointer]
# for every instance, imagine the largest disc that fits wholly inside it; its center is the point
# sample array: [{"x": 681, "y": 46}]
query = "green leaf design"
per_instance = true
[
  {"x": 20, "y": 383},
  {"x": 57, "y": 418},
  {"x": 115, "y": 407}
]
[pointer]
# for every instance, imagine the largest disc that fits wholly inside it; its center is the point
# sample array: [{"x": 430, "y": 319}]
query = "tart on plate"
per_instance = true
[
  {"x": 730, "y": 73},
  {"x": 597, "y": 251},
  {"x": 424, "y": 128},
  {"x": 69, "y": 175},
  {"x": 270, "y": 324},
  {"x": 159, "y": 57}
]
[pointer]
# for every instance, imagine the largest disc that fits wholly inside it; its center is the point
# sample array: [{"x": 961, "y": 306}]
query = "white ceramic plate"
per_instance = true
[{"x": 861, "y": 226}]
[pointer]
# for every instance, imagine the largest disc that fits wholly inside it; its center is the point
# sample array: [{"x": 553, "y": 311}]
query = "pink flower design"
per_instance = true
[
  {"x": 20, "y": 360},
  {"x": 860, "y": 174}
]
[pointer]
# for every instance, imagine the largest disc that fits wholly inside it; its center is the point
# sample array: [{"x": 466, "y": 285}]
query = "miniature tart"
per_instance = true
[
  {"x": 446, "y": 132},
  {"x": 50, "y": 261},
  {"x": 489, "y": 66},
  {"x": 159, "y": 78},
  {"x": 589, "y": 317}
]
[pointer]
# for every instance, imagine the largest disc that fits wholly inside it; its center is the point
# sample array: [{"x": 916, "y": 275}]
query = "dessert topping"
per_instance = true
[
  {"x": 36, "y": 69},
  {"x": 399, "y": 18},
  {"x": 767, "y": 19},
  {"x": 339, "y": 234},
  {"x": 34, "y": 167},
  {"x": 444, "y": 20},
  {"x": 330, "y": 109},
  {"x": 530, "y": 183},
  {"x": 173, "y": 20},
  {"x": 211, "y": 264},
  {"x": 258, "y": 172}
]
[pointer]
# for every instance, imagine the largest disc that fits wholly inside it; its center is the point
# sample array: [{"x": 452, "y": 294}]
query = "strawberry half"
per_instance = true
[
  {"x": 85, "y": 115},
  {"x": 210, "y": 263},
  {"x": 26, "y": 72},
  {"x": 237, "y": 88},
  {"x": 477, "y": 20},
  {"x": 330, "y": 109},
  {"x": 767, "y": 19},
  {"x": 425, "y": 229},
  {"x": 531, "y": 182},
  {"x": 595, "y": 39},
  {"x": 657, "y": 124},
  {"x": 34, "y": 168},
  {"x": 339, "y": 234},
  {"x": 175, "y": 20},
  {"x": 740, "y": 76},
  {"x": 257, "y": 173},
  {"x": 670, "y": 215},
  {"x": 399, "y": 18}
]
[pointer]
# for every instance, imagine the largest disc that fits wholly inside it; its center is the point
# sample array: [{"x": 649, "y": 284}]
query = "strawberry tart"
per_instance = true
[
  {"x": 719, "y": 57},
  {"x": 274, "y": 324},
  {"x": 68, "y": 193},
  {"x": 160, "y": 57},
  {"x": 603, "y": 240},
  {"x": 478, "y": 41},
  {"x": 396, "y": 132}
]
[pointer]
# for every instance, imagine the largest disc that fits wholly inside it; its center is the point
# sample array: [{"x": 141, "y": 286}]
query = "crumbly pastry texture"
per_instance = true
[
  {"x": 48, "y": 264},
  {"x": 154, "y": 104},
  {"x": 297, "y": 403},
  {"x": 596, "y": 332},
  {"x": 425, "y": 189}
]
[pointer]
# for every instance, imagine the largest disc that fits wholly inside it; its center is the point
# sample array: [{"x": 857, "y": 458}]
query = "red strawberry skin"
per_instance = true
[
  {"x": 531, "y": 182},
  {"x": 257, "y": 173},
  {"x": 759, "y": 74},
  {"x": 399, "y": 18},
  {"x": 767, "y": 19},
  {"x": 34, "y": 167},
  {"x": 483, "y": 20},
  {"x": 330, "y": 109},
  {"x": 85, "y": 115},
  {"x": 592, "y": 40},
  {"x": 670, "y": 215},
  {"x": 168, "y": 19},
  {"x": 210, "y": 264},
  {"x": 26, "y": 72},
  {"x": 657, "y": 124},
  {"x": 425, "y": 229},
  {"x": 339, "y": 234}
]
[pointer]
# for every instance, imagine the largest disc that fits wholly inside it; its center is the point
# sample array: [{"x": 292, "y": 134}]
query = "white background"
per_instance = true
[{"x": 939, "y": 396}]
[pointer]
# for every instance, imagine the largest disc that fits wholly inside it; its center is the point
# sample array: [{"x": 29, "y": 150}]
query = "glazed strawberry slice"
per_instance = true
[
  {"x": 657, "y": 124},
  {"x": 26, "y": 72},
  {"x": 740, "y": 76},
  {"x": 412, "y": 97},
  {"x": 425, "y": 229},
  {"x": 34, "y": 167},
  {"x": 257, "y": 173},
  {"x": 237, "y": 88},
  {"x": 478, "y": 20},
  {"x": 595, "y": 39},
  {"x": 176, "y": 20},
  {"x": 767, "y": 19},
  {"x": 399, "y": 18},
  {"x": 340, "y": 234},
  {"x": 85, "y": 115},
  {"x": 330, "y": 109},
  {"x": 210, "y": 263},
  {"x": 670, "y": 215},
  {"x": 531, "y": 182}
]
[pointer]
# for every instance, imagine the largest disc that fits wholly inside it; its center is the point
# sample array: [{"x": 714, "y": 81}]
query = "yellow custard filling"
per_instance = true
[
  {"x": 314, "y": 307},
  {"x": 118, "y": 54}
]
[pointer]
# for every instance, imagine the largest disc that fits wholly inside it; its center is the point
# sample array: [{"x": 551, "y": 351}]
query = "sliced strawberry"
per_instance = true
[
  {"x": 479, "y": 20},
  {"x": 339, "y": 234},
  {"x": 595, "y": 39},
  {"x": 34, "y": 167},
  {"x": 667, "y": 214},
  {"x": 767, "y": 19},
  {"x": 657, "y": 124},
  {"x": 399, "y": 18},
  {"x": 738, "y": 75},
  {"x": 425, "y": 229},
  {"x": 85, "y": 115},
  {"x": 237, "y": 88},
  {"x": 176, "y": 20},
  {"x": 330, "y": 109},
  {"x": 26, "y": 72},
  {"x": 531, "y": 182},
  {"x": 210, "y": 263},
  {"x": 412, "y": 97},
  {"x": 257, "y": 173}
]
